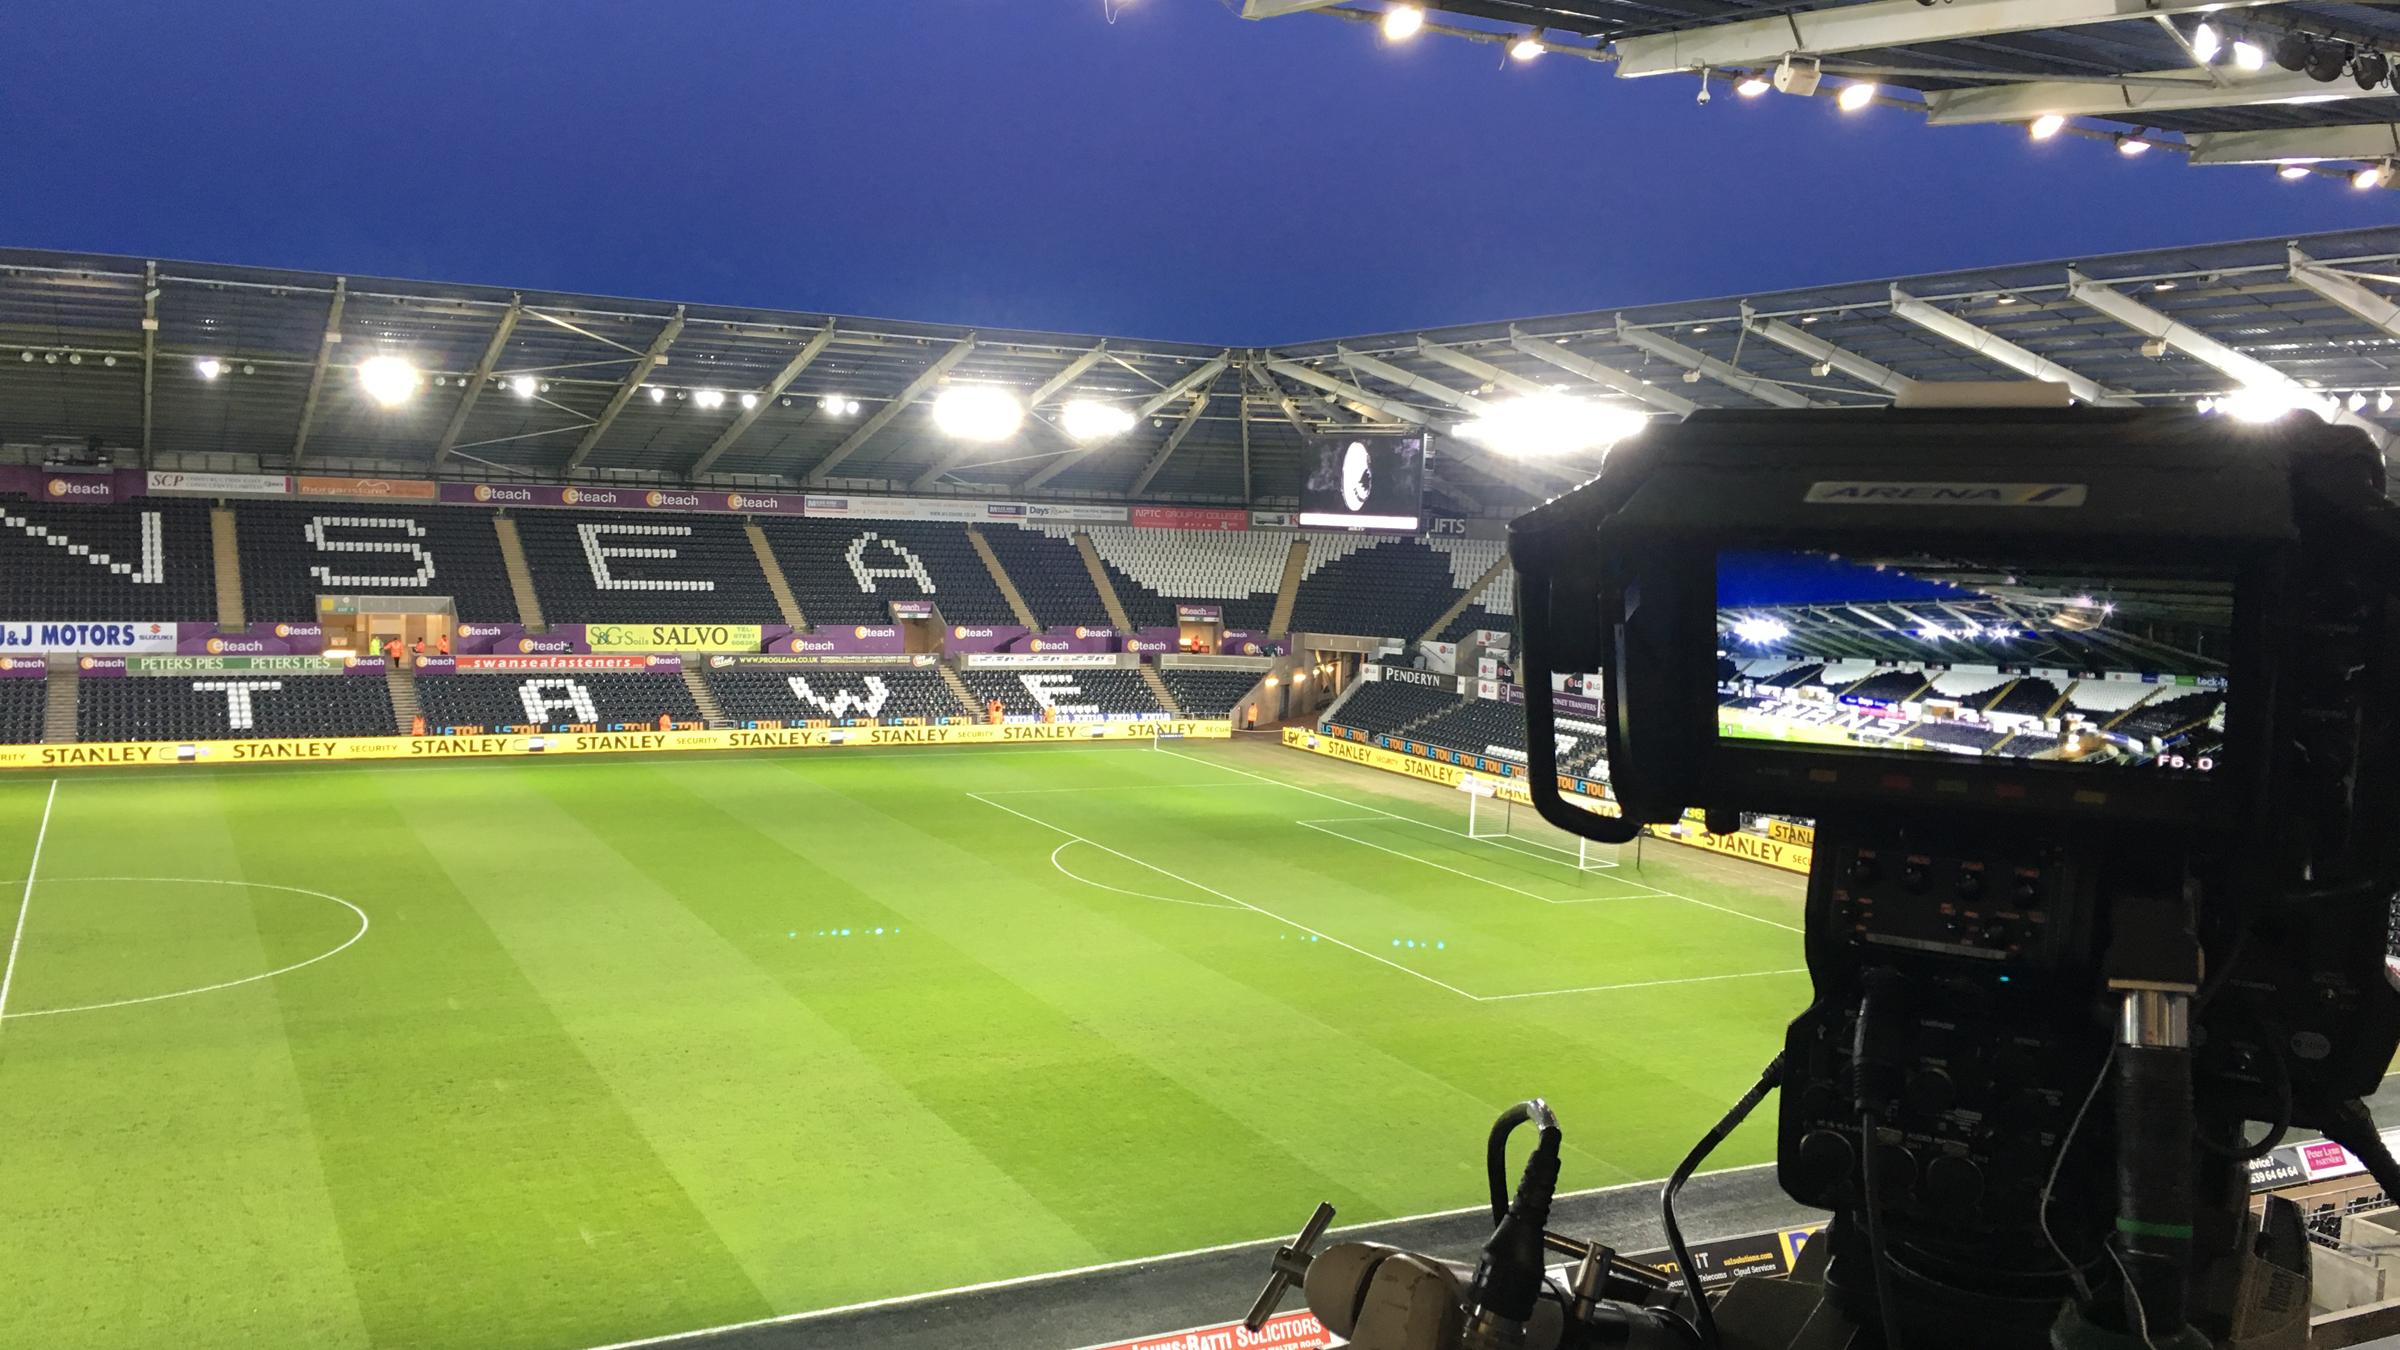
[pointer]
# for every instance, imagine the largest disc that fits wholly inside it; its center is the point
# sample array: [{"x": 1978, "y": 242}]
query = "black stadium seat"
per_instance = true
[
  {"x": 850, "y": 571},
  {"x": 293, "y": 552},
  {"x": 1387, "y": 707},
  {"x": 233, "y": 706},
  {"x": 1391, "y": 588},
  {"x": 1209, "y": 693},
  {"x": 1074, "y": 695},
  {"x": 608, "y": 700},
  {"x": 22, "y": 703},
  {"x": 621, "y": 567},
  {"x": 753, "y": 694},
  {"x": 1239, "y": 571},
  {"x": 145, "y": 560},
  {"x": 1050, "y": 575}
]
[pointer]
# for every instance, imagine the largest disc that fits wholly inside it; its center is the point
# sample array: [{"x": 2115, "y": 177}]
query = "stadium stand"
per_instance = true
[
  {"x": 603, "y": 699},
  {"x": 1049, "y": 574},
  {"x": 1372, "y": 586},
  {"x": 1075, "y": 695},
  {"x": 2162, "y": 716},
  {"x": 1958, "y": 734},
  {"x": 232, "y": 707},
  {"x": 1479, "y": 726},
  {"x": 607, "y": 567},
  {"x": 1388, "y": 707},
  {"x": 22, "y": 703},
  {"x": 1209, "y": 693},
  {"x": 150, "y": 560},
  {"x": 2102, "y": 700},
  {"x": 751, "y": 695},
  {"x": 849, "y": 571},
  {"x": 2031, "y": 696},
  {"x": 1888, "y": 686},
  {"x": 293, "y": 552},
  {"x": 1238, "y": 570}
]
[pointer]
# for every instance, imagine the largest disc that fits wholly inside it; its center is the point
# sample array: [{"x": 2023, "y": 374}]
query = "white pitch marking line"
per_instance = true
[
  {"x": 8, "y": 975},
  {"x": 1114, "y": 787},
  {"x": 1104, "y": 1267},
  {"x": 1395, "y": 815},
  {"x": 1319, "y": 827},
  {"x": 1289, "y": 923},
  {"x": 1646, "y": 984},
  {"x": 1102, "y": 885},
  {"x": 206, "y": 988}
]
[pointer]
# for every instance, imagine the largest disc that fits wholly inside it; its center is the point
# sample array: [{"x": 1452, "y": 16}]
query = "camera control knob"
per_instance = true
[
  {"x": 1930, "y": 1092},
  {"x": 1953, "y": 1183},
  {"x": 1821, "y": 1170}
]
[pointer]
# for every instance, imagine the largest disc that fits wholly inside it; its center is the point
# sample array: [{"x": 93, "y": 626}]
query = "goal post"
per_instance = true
[{"x": 1504, "y": 822}]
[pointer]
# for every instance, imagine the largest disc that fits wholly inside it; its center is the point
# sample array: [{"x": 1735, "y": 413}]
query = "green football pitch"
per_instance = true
[{"x": 557, "y": 1054}]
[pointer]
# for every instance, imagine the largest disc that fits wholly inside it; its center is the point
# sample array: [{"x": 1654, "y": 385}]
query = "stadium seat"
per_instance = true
[
  {"x": 608, "y": 700},
  {"x": 1239, "y": 570},
  {"x": 1075, "y": 695},
  {"x": 751, "y": 695},
  {"x": 1209, "y": 693},
  {"x": 1389, "y": 707},
  {"x": 233, "y": 707},
  {"x": 849, "y": 571},
  {"x": 146, "y": 560},
  {"x": 1374, "y": 586},
  {"x": 22, "y": 704},
  {"x": 1049, "y": 573},
  {"x": 616, "y": 567},
  {"x": 293, "y": 552}
]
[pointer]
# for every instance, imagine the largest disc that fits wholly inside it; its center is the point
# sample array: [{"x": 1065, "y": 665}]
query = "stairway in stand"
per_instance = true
[
  {"x": 1159, "y": 690},
  {"x": 964, "y": 695},
  {"x": 703, "y": 697},
  {"x": 65, "y": 695},
  {"x": 401, "y": 680},
  {"x": 227, "y": 546},
  {"x": 520, "y": 576}
]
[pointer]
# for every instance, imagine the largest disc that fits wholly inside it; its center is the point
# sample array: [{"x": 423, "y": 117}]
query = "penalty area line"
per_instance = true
[
  {"x": 8, "y": 974},
  {"x": 1233, "y": 899}
]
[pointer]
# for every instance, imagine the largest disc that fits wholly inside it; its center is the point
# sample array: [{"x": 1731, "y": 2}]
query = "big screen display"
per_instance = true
[
  {"x": 2086, "y": 666},
  {"x": 1363, "y": 483}
]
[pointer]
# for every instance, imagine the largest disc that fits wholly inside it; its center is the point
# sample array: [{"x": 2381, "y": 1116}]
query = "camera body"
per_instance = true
[{"x": 2094, "y": 712}]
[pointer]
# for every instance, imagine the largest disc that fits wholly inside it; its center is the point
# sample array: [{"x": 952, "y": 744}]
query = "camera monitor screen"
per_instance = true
[
  {"x": 1958, "y": 656},
  {"x": 1363, "y": 483}
]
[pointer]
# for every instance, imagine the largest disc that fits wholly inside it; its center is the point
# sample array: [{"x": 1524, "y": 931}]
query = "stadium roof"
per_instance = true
[
  {"x": 2313, "y": 86},
  {"x": 114, "y": 348}
]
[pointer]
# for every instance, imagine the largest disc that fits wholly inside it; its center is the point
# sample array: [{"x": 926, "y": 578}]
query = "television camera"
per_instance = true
[{"x": 2094, "y": 712}]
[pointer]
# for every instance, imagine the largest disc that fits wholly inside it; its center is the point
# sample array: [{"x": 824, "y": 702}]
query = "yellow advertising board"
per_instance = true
[
  {"x": 336, "y": 749},
  {"x": 673, "y": 637},
  {"x": 1791, "y": 853}
]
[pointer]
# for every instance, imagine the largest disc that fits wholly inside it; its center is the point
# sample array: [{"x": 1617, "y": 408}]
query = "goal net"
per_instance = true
[{"x": 1505, "y": 823}]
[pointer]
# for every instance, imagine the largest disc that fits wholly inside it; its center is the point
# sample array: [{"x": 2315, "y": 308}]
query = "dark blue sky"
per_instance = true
[{"x": 1182, "y": 174}]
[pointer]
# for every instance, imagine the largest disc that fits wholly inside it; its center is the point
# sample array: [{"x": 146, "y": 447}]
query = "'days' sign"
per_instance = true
[{"x": 673, "y": 637}]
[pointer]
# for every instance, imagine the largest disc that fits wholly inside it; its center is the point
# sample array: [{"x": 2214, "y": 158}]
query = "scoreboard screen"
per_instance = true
[{"x": 1363, "y": 483}]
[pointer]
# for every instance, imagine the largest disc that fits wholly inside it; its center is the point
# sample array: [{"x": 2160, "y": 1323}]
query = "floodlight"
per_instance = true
[
  {"x": 2383, "y": 401},
  {"x": 2292, "y": 172},
  {"x": 2327, "y": 61},
  {"x": 2260, "y": 403},
  {"x": 2249, "y": 56},
  {"x": 2291, "y": 51},
  {"x": 1855, "y": 96},
  {"x": 838, "y": 405},
  {"x": 389, "y": 380},
  {"x": 1086, "y": 419},
  {"x": 657, "y": 395},
  {"x": 978, "y": 412},
  {"x": 2370, "y": 69},
  {"x": 1527, "y": 47},
  {"x": 1542, "y": 425},
  {"x": 2356, "y": 402},
  {"x": 2205, "y": 42},
  {"x": 1751, "y": 86},
  {"x": 2132, "y": 145},
  {"x": 709, "y": 398},
  {"x": 2371, "y": 177},
  {"x": 1759, "y": 632},
  {"x": 522, "y": 386},
  {"x": 749, "y": 401},
  {"x": 2047, "y": 125},
  {"x": 208, "y": 366},
  {"x": 1402, "y": 22}
]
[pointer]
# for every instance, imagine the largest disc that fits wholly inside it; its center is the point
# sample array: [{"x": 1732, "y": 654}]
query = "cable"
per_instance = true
[
  {"x": 1885, "y": 1307},
  {"x": 2083, "y": 1288},
  {"x": 2141, "y": 1317},
  {"x": 1703, "y": 1322},
  {"x": 1495, "y": 1149}
]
